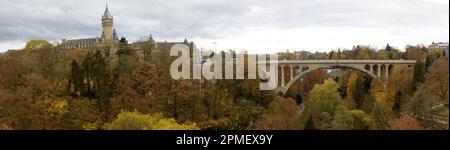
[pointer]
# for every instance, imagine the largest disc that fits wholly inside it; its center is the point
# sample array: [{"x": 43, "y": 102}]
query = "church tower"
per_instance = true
[{"x": 107, "y": 24}]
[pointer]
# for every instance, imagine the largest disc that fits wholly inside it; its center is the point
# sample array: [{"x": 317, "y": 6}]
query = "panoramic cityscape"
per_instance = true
[{"x": 71, "y": 69}]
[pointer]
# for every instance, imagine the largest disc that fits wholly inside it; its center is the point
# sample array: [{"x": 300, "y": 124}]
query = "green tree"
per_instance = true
[
  {"x": 309, "y": 125},
  {"x": 419, "y": 74},
  {"x": 358, "y": 93},
  {"x": 76, "y": 79},
  {"x": 428, "y": 62},
  {"x": 127, "y": 59},
  {"x": 323, "y": 98},
  {"x": 361, "y": 121},
  {"x": 355, "y": 89},
  {"x": 351, "y": 119},
  {"x": 420, "y": 104},
  {"x": 147, "y": 50},
  {"x": 388, "y": 47},
  {"x": 88, "y": 74}
]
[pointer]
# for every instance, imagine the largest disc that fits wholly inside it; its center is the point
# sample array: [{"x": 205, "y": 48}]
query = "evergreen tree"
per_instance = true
[
  {"x": 339, "y": 54},
  {"x": 87, "y": 72},
  {"x": 330, "y": 56},
  {"x": 358, "y": 92},
  {"x": 309, "y": 125},
  {"x": 397, "y": 102},
  {"x": 147, "y": 51},
  {"x": 76, "y": 78},
  {"x": 419, "y": 74},
  {"x": 428, "y": 62},
  {"x": 99, "y": 71},
  {"x": 298, "y": 99},
  {"x": 126, "y": 59},
  {"x": 388, "y": 47}
]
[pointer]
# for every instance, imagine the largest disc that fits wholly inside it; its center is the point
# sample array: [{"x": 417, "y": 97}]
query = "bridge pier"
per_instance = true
[
  {"x": 292, "y": 72},
  {"x": 282, "y": 75},
  {"x": 387, "y": 72},
  {"x": 379, "y": 70}
]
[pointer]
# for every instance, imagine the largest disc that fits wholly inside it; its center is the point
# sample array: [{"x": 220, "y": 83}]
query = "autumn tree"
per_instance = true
[
  {"x": 363, "y": 52},
  {"x": 437, "y": 80},
  {"x": 51, "y": 113},
  {"x": 399, "y": 87},
  {"x": 81, "y": 115},
  {"x": 18, "y": 110},
  {"x": 11, "y": 71},
  {"x": 355, "y": 90},
  {"x": 418, "y": 52},
  {"x": 383, "y": 55},
  {"x": 125, "y": 97},
  {"x": 282, "y": 114},
  {"x": 405, "y": 122},
  {"x": 147, "y": 50}
]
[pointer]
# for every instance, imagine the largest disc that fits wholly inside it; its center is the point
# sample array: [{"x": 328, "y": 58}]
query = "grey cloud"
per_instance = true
[{"x": 175, "y": 19}]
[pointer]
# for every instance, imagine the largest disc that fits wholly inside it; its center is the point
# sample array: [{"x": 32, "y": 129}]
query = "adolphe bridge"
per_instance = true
[{"x": 298, "y": 68}]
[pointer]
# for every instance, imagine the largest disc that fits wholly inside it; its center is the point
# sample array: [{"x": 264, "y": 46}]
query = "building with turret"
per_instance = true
[{"x": 108, "y": 37}]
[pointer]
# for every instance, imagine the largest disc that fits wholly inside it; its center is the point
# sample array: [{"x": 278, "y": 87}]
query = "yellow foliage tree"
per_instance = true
[
  {"x": 51, "y": 112},
  {"x": 33, "y": 44},
  {"x": 137, "y": 121},
  {"x": 351, "y": 84}
]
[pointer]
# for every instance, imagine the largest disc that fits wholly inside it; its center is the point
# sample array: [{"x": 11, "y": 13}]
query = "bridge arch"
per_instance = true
[{"x": 312, "y": 68}]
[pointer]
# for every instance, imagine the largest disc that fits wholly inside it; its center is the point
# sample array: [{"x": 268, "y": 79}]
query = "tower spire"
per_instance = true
[
  {"x": 108, "y": 35},
  {"x": 107, "y": 14}
]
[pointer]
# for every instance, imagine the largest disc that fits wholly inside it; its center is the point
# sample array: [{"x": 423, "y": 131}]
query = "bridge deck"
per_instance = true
[{"x": 344, "y": 61}]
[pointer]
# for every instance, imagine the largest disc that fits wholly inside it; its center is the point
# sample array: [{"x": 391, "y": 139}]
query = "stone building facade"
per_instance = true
[{"x": 108, "y": 38}]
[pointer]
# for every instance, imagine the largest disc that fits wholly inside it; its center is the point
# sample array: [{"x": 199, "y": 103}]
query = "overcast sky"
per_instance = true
[{"x": 255, "y": 25}]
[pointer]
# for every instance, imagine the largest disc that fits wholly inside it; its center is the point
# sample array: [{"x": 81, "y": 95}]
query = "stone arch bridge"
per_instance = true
[{"x": 296, "y": 69}]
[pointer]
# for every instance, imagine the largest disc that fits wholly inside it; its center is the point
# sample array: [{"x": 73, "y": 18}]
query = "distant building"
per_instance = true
[
  {"x": 444, "y": 46},
  {"x": 158, "y": 46},
  {"x": 440, "y": 45},
  {"x": 139, "y": 45},
  {"x": 108, "y": 37}
]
